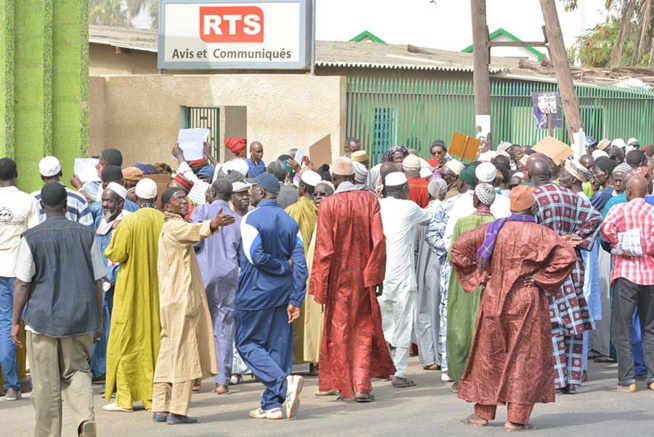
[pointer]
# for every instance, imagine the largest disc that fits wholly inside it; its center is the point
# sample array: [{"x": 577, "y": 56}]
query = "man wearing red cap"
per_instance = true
[
  {"x": 510, "y": 360},
  {"x": 236, "y": 146}
]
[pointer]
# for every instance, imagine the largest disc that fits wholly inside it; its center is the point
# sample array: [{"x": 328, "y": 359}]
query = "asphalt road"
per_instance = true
[{"x": 429, "y": 409}]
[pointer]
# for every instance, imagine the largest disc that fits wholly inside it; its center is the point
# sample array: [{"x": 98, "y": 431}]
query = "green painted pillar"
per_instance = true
[{"x": 44, "y": 84}]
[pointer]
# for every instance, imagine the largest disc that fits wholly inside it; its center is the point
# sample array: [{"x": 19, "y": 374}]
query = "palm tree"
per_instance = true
[
  {"x": 106, "y": 13},
  {"x": 134, "y": 7}
]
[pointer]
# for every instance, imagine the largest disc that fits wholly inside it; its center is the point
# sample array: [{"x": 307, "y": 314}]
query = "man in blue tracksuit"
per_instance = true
[{"x": 271, "y": 289}]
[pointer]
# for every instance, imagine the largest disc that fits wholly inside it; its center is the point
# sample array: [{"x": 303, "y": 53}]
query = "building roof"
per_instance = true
[
  {"x": 402, "y": 57},
  {"x": 502, "y": 32},
  {"x": 365, "y": 36}
]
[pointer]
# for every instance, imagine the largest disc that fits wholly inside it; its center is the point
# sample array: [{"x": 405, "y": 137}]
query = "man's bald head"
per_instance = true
[
  {"x": 386, "y": 168},
  {"x": 531, "y": 158},
  {"x": 637, "y": 188},
  {"x": 540, "y": 171},
  {"x": 587, "y": 161}
]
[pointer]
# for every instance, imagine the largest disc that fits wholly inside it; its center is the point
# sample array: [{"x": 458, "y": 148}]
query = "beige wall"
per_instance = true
[
  {"x": 140, "y": 114},
  {"x": 105, "y": 60}
]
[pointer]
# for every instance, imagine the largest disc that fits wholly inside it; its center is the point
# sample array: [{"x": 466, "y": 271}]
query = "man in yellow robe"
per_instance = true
[
  {"x": 187, "y": 349},
  {"x": 305, "y": 213},
  {"x": 313, "y": 312},
  {"x": 135, "y": 328}
]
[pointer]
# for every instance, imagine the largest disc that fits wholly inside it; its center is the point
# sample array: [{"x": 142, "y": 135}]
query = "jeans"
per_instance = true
[
  {"x": 99, "y": 351},
  {"x": 627, "y": 298},
  {"x": 7, "y": 348}
]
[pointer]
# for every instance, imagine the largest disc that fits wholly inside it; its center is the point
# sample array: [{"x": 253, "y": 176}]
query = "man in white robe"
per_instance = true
[{"x": 400, "y": 218}]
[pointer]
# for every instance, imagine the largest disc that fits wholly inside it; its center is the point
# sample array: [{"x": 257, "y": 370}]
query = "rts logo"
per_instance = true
[{"x": 235, "y": 24}]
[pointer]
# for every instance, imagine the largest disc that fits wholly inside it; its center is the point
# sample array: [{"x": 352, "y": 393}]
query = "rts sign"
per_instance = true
[
  {"x": 230, "y": 24},
  {"x": 235, "y": 34}
]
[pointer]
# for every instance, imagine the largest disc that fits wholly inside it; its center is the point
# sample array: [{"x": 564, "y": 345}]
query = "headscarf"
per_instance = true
[
  {"x": 468, "y": 174},
  {"x": 485, "y": 193},
  {"x": 235, "y": 145},
  {"x": 388, "y": 156}
]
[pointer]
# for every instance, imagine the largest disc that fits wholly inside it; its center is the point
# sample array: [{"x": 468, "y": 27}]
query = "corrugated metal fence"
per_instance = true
[{"x": 387, "y": 112}]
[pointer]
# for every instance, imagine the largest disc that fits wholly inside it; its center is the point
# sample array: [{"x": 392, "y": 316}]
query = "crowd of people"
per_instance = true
[{"x": 493, "y": 272}]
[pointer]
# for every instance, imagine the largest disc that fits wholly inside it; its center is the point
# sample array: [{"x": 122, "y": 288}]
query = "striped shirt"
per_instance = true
[
  {"x": 636, "y": 214},
  {"x": 77, "y": 208}
]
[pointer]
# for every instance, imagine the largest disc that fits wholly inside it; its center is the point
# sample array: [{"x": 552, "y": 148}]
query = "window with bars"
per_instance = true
[{"x": 203, "y": 117}]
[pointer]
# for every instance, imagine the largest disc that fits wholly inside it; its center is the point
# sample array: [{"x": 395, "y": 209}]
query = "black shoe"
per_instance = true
[
  {"x": 174, "y": 419},
  {"x": 160, "y": 417},
  {"x": 569, "y": 389}
]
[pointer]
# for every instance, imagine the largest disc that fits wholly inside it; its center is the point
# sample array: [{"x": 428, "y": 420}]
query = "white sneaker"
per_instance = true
[
  {"x": 274, "y": 414},
  {"x": 445, "y": 377},
  {"x": 293, "y": 390}
]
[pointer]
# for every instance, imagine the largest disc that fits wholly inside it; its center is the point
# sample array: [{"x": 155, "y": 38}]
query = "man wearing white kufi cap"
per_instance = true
[
  {"x": 146, "y": 193},
  {"x": 305, "y": 213},
  {"x": 113, "y": 199},
  {"x": 400, "y": 217},
  {"x": 450, "y": 174},
  {"x": 134, "y": 336},
  {"x": 77, "y": 207}
]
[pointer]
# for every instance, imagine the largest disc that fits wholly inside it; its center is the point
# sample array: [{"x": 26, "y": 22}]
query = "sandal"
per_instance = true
[
  {"x": 432, "y": 367},
  {"x": 510, "y": 426},
  {"x": 363, "y": 397},
  {"x": 475, "y": 420},
  {"x": 340, "y": 399},
  {"x": 398, "y": 382},
  {"x": 197, "y": 385}
]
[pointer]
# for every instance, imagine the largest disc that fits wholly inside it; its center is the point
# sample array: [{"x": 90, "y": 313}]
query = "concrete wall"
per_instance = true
[
  {"x": 110, "y": 60},
  {"x": 140, "y": 114}
]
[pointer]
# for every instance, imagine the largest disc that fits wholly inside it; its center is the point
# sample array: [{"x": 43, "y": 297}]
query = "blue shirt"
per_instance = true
[
  {"x": 270, "y": 237},
  {"x": 256, "y": 170},
  {"x": 649, "y": 199},
  {"x": 219, "y": 254}
]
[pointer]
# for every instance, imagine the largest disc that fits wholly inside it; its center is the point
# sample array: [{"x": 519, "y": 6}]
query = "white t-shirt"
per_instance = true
[{"x": 18, "y": 212}]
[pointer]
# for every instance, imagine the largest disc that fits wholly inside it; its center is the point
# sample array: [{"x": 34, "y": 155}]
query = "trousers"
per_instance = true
[
  {"x": 627, "y": 298},
  {"x": 172, "y": 398},
  {"x": 222, "y": 307},
  {"x": 8, "y": 360},
  {"x": 264, "y": 339},
  {"x": 60, "y": 369},
  {"x": 99, "y": 352},
  {"x": 516, "y": 413}
]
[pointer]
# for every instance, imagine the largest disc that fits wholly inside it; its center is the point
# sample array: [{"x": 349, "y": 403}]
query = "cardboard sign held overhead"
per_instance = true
[
  {"x": 556, "y": 150},
  {"x": 463, "y": 147},
  {"x": 320, "y": 152}
]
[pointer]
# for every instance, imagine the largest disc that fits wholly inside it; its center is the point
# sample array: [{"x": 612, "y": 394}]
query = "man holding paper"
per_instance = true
[{"x": 629, "y": 229}]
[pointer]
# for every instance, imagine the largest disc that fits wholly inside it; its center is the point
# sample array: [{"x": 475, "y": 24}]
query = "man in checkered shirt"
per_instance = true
[{"x": 629, "y": 229}]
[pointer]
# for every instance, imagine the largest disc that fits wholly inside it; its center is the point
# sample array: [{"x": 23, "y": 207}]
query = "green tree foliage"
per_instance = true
[
  {"x": 120, "y": 12},
  {"x": 625, "y": 38},
  {"x": 107, "y": 13}
]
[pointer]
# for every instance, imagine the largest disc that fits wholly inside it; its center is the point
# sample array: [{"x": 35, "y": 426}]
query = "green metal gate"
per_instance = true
[
  {"x": 387, "y": 112},
  {"x": 204, "y": 117}
]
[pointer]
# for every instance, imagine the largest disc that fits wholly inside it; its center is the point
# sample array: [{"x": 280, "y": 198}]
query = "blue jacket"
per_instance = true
[{"x": 270, "y": 238}]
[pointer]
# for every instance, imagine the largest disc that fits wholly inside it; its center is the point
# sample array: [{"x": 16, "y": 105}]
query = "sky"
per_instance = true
[
  {"x": 443, "y": 25},
  {"x": 446, "y": 24}
]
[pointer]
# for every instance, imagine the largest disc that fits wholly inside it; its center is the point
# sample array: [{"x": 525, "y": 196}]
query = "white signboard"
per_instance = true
[
  {"x": 235, "y": 34},
  {"x": 547, "y": 103}
]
